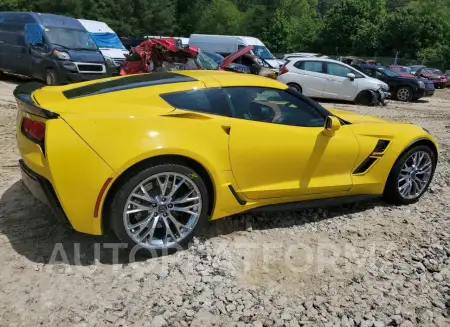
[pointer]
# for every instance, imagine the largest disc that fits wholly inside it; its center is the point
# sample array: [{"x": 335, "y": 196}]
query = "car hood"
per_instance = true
[
  {"x": 356, "y": 118},
  {"x": 435, "y": 76},
  {"x": 85, "y": 55},
  {"x": 405, "y": 74},
  {"x": 232, "y": 57},
  {"x": 378, "y": 82},
  {"x": 114, "y": 53}
]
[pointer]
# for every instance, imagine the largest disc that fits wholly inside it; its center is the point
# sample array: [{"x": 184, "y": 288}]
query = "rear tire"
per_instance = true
[
  {"x": 404, "y": 93},
  {"x": 169, "y": 228},
  {"x": 50, "y": 77},
  {"x": 296, "y": 87},
  {"x": 414, "y": 167}
]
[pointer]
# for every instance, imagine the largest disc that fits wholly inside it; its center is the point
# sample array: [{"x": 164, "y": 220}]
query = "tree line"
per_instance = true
[{"x": 414, "y": 28}]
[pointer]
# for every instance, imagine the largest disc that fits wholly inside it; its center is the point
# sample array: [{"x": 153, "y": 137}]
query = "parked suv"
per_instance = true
[
  {"x": 52, "y": 48},
  {"x": 402, "y": 88},
  {"x": 331, "y": 79}
]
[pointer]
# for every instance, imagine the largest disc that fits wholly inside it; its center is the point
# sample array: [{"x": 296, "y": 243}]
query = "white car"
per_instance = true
[{"x": 331, "y": 79}]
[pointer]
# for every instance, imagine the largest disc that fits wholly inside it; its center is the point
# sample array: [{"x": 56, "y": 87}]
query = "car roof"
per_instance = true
[
  {"x": 295, "y": 59},
  {"x": 370, "y": 66},
  {"x": 232, "y": 79}
]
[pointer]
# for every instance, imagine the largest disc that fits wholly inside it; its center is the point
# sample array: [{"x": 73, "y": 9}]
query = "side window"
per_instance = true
[
  {"x": 338, "y": 70},
  {"x": 300, "y": 65},
  {"x": 369, "y": 72},
  {"x": 208, "y": 101},
  {"x": 34, "y": 36},
  {"x": 272, "y": 106},
  {"x": 378, "y": 74},
  {"x": 313, "y": 66}
]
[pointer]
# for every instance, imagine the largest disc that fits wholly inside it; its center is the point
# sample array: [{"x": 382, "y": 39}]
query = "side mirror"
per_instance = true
[
  {"x": 332, "y": 124},
  {"x": 351, "y": 76}
]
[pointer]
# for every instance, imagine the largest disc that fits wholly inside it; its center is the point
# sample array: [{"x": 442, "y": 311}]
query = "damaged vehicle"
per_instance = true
[
  {"x": 169, "y": 54},
  {"x": 402, "y": 88},
  {"x": 331, "y": 79}
]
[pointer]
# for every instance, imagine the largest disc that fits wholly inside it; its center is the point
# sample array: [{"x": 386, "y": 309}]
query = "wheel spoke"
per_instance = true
[
  {"x": 168, "y": 232},
  {"x": 145, "y": 222},
  {"x": 149, "y": 233},
  {"x": 139, "y": 208},
  {"x": 175, "y": 187},
  {"x": 186, "y": 209},
  {"x": 177, "y": 224},
  {"x": 143, "y": 197}
]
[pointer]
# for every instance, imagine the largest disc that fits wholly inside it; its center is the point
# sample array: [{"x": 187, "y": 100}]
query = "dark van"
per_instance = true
[{"x": 52, "y": 48}]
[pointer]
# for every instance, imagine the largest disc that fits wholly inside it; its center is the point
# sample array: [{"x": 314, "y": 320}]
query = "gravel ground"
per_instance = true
[{"x": 368, "y": 264}]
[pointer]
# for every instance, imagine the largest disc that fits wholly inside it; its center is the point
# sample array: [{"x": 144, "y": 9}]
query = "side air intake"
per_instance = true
[{"x": 377, "y": 153}]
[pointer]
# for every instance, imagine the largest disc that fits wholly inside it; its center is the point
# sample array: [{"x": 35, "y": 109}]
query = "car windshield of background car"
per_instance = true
[
  {"x": 70, "y": 38},
  {"x": 388, "y": 72},
  {"x": 262, "y": 52},
  {"x": 205, "y": 61}
]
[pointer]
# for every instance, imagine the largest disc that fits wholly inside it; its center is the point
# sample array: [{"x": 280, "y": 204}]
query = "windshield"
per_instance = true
[
  {"x": 262, "y": 52},
  {"x": 70, "y": 38},
  {"x": 107, "y": 40},
  {"x": 214, "y": 56},
  {"x": 399, "y": 69},
  {"x": 431, "y": 71},
  {"x": 206, "y": 62},
  {"x": 388, "y": 72}
]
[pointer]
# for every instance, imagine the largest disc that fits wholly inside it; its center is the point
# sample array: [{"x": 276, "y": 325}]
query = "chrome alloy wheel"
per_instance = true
[
  {"x": 403, "y": 94},
  {"x": 162, "y": 210},
  {"x": 415, "y": 175}
]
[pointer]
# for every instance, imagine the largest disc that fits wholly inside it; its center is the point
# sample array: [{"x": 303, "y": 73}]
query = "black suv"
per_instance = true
[{"x": 401, "y": 88}]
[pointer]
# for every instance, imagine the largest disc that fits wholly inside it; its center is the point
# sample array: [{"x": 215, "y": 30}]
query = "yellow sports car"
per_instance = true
[{"x": 152, "y": 157}]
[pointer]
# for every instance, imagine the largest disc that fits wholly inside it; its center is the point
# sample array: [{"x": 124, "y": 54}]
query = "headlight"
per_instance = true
[
  {"x": 61, "y": 54},
  {"x": 109, "y": 62},
  {"x": 421, "y": 84},
  {"x": 384, "y": 87}
]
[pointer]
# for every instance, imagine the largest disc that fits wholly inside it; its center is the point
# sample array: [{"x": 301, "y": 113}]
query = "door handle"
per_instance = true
[{"x": 2, "y": 42}]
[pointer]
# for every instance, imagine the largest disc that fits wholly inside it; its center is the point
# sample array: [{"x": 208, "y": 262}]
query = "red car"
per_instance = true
[
  {"x": 439, "y": 78},
  {"x": 156, "y": 55},
  {"x": 401, "y": 70}
]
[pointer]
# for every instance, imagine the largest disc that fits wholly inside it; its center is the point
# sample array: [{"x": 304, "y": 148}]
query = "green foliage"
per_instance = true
[{"x": 415, "y": 28}]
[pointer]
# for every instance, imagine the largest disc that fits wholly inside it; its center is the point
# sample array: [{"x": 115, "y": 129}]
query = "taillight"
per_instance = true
[
  {"x": 35, "y": 130},
  {"x": 283, "y": 70}
]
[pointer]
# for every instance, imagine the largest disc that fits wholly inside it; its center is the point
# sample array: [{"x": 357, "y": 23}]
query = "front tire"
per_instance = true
[
  {"x": 404, "y": 93},
  {"x": 160, "y": 208},
  {"x": 411, "y": 175},
  {"x": 51, "y": 78}
]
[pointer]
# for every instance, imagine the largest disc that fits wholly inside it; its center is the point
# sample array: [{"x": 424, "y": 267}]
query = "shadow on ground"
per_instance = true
[
  {"x": 13, "y": 79},
  {"x": 34, "y": 233}
]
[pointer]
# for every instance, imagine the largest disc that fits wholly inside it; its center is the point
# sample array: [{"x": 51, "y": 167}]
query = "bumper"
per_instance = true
[
  {"x": 66, "y": 73},
  {"x": 423, "y": 93},
  {"x": 440, "y": 84},
  {"x": 42, "y": 190}
]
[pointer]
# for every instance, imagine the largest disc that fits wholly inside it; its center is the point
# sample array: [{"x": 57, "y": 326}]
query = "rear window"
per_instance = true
[
  {"x": 209, "y": 101},
  {"x": 127, "y": 83},
  {"x": 311, "y": 66}
]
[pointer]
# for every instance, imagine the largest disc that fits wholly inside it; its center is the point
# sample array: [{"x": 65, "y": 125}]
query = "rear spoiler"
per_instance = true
[{"x": 25, "y": 100}]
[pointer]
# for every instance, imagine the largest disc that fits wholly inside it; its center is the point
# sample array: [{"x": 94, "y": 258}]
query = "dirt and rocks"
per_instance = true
[{"x": 368, "y": 264}]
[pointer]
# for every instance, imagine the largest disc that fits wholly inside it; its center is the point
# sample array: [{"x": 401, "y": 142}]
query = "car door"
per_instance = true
[
  {"x": 277, "y": 147},
  {"x": 35, "y": 51},
  {"x": 311, "y": 77},
  {"x": 338, "y": 85}
]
